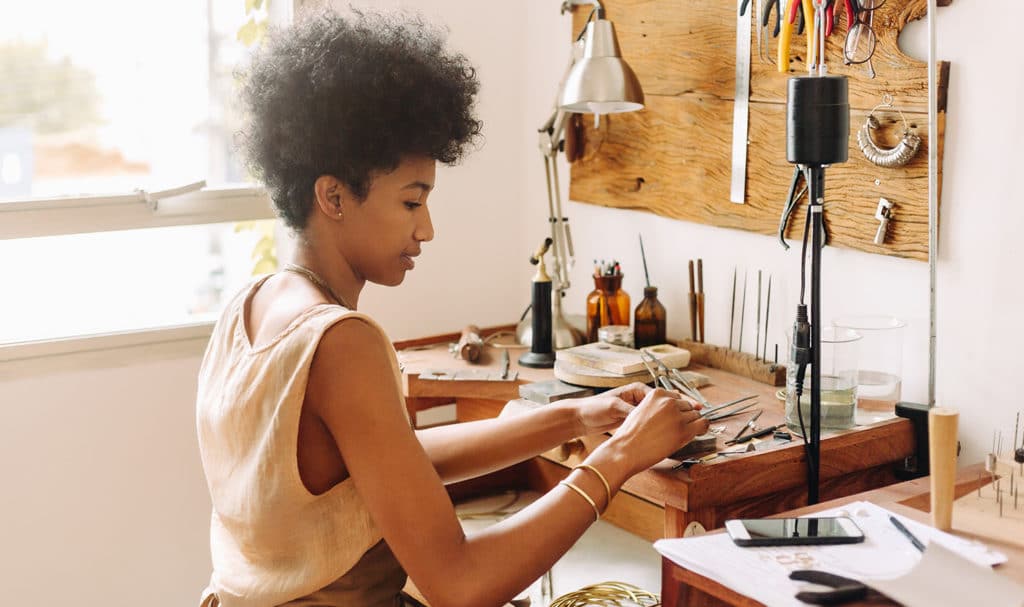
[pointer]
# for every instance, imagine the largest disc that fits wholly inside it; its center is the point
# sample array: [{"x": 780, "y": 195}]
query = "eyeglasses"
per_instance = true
[{"x": 860, "y": 39}]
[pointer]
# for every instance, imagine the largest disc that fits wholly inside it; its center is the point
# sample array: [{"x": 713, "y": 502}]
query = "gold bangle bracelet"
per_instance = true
[
  {"x": 583, "y": 494},
  {"x": 604, "y": 481}
]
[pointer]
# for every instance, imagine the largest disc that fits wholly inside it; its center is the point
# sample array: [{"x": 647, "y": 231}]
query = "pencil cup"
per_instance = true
[{"x": 942, "y": 428}]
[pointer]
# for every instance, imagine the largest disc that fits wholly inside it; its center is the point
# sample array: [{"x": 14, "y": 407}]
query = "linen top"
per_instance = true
[{"x": 271, "y": 540}]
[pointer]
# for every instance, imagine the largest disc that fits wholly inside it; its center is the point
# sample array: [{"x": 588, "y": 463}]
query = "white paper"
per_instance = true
[
  {"x": 762, "y": 573},
  {"x": 944, "y": 578}
]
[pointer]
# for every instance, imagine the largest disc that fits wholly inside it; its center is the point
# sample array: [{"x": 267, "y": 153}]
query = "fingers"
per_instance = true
[{"x": 633, "y": 393}]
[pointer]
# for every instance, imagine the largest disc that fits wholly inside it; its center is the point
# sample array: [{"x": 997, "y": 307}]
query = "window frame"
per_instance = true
[{"x": 193, "y": 204}]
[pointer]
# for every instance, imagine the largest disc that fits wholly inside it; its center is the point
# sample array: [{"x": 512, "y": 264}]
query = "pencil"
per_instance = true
[{"x": 906, "y": 533}]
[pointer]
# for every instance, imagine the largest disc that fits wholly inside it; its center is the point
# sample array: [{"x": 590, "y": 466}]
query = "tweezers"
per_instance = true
[
  {"x": 732, "y": 403},
  {"x": 678, "y": 382},
  {"x": 671, "y": 377},
  {"x": 661, "y": 380},
  {"x": 719, "y": 416}
]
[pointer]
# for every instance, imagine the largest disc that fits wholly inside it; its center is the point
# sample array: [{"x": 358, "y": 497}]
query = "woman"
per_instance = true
[{"x": 322, "y": 492}]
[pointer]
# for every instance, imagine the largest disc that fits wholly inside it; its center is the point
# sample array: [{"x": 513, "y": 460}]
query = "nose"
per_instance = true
[{"x": 424, "y": 227}]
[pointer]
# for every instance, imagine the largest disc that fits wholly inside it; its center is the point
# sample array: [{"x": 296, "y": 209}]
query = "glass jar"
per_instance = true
[
  {"x": 839, "y": 358},
  {"x": 619, "y": 335},
  {"x": 880, "y": 371},
  {"x": 607, "y": 304},
  {"x": 649, "y": 320}
]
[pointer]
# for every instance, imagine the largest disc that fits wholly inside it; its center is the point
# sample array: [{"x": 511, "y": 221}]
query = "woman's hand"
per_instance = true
[
  {"x": 661, "y": 423},
  {"x": 606, "y": 411}
]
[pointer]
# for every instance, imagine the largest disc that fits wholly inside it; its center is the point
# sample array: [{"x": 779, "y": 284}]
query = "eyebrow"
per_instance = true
[{"x": 426, "y": 187}]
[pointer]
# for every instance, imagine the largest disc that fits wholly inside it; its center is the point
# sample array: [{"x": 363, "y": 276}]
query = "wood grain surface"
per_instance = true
[{"x": 674, "y": 157}]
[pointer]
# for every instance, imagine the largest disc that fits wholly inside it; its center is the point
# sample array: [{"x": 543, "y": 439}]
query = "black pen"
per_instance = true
[
  {"x": 758, "y": 434},
  {"x": 906, "y": 533}
]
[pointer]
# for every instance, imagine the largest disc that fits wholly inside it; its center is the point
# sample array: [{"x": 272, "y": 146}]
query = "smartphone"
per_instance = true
[{"x": 793, "y": 531}]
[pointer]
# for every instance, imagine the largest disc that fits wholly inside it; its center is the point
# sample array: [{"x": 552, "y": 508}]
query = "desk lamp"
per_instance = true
[
  {"x": 817, "y": 136},
  {"x": 596, "y": 81}
]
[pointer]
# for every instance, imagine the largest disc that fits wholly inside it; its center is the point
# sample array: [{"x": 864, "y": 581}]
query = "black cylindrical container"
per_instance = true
[
  {"x": 541, "y": 354},
  {"x": 817, "y": 120}
]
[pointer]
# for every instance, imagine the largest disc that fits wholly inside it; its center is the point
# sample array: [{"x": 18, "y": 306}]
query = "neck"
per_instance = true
[{"x": 337, "y": 273}]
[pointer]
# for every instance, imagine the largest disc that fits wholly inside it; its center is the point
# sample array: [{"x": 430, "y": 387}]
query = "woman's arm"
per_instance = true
[
  {"x": 408, "y": 502},
  {"x": 472, "y": 449}
]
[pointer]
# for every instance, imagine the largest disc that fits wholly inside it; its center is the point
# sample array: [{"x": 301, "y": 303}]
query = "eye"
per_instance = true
[{"x": 412, "y": 205}]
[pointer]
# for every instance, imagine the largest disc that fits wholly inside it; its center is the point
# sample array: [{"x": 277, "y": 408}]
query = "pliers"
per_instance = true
[
  {"x": 843, "y": 590},
  {"x": 792, "y": 198},
  {"x": 768, "y": 13}
]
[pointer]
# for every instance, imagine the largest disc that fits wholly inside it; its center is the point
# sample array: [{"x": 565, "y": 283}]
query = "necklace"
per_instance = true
[{"x": 314, "y": 278}]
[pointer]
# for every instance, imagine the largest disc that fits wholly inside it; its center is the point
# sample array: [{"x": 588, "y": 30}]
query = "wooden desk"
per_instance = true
[
  {"x": 681, "y": 587},
  {"x": 750, "y": 485}
]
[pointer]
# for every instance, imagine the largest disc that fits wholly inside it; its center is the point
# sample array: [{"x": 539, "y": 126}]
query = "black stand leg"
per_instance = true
[{"x": 816, "y": 195}]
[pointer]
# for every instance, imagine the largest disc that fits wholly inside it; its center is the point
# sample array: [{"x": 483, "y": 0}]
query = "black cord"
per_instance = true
[
  {"x": 600, "y": 15},
  {"x": 803, "y": 247},
  {"x": 801, "y": 339}
]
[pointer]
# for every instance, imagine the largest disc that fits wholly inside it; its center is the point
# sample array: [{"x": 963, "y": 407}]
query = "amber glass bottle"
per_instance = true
[
  {"x": 649, "y": 320},
  {"x": 607, "y": 304}
]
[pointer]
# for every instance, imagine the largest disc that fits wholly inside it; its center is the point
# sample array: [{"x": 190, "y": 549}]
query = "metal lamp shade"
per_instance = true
[{"x": 601, "y": 82}]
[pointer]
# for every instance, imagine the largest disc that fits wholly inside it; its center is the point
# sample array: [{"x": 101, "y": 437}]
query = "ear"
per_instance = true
[{"x": 330, "y": 196}]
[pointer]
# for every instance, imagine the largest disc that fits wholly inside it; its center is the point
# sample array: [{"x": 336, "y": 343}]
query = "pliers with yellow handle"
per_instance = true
[{"x": 786, "y": 36}]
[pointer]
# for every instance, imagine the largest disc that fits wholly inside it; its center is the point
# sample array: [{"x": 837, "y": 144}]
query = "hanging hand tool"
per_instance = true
[
  {"x": 808, "y": 20},
  {"x": 785, "y": 38},
  {"x": 766, "y": 15}
]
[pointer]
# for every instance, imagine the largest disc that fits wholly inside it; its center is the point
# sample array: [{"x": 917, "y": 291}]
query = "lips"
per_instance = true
[{"x": 407, "y": 260}]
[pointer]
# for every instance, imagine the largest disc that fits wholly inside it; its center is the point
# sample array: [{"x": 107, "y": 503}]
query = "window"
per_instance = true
[{"x": 119, "y": 182}]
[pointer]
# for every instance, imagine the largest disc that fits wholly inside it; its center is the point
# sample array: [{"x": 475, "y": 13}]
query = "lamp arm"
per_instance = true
[{"x": 568, "y": 4}]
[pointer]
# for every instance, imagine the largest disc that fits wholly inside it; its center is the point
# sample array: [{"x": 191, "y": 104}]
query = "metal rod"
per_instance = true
[
  {"x": 743, "y": 311},
  {"x": 732, "y": 307},
  {"x": 757, "y": 329},
  {"x": 767, "y": 308},
  {"x": 933, "y": 202}
]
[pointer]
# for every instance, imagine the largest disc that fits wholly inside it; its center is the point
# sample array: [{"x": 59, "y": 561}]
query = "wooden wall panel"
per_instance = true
[{"x": 674, "y": 157}]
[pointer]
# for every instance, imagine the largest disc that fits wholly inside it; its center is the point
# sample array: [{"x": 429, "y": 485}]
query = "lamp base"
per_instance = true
[{"x": 538, "y": 360}]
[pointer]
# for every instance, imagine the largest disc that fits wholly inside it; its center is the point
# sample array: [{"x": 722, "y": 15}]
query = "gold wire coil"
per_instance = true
[{"x": 608, "y": 594}]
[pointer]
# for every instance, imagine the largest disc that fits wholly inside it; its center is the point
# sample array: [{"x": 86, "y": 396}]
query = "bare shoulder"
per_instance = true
[
  {"x": 351, "y": 371},
  {"x": 279, "y": 301}
]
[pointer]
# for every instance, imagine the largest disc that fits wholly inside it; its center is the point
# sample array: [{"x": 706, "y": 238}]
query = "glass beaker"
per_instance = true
[
  {"x": 839, "y": 349},
  {"x": 880, "y": 367}
]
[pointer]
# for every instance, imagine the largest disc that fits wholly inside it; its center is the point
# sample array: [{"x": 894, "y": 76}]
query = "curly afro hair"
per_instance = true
[{"x": 349, "y": 97}]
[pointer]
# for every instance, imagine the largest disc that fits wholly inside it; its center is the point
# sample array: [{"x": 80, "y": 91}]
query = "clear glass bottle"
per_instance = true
[
  {"x": 649, "y": 320},
  {"x": 607, "y": 304}
]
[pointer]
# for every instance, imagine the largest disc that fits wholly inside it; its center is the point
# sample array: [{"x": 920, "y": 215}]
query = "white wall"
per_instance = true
[
  {"x": 103, "y": 498},
  {"x": 978, "y": 282}
]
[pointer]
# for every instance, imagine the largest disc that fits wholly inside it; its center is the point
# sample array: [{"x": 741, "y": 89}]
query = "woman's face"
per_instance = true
[{"x": 382, "y": 234}]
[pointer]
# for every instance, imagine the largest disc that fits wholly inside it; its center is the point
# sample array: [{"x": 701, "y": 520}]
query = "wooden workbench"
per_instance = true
[{"x": 662, "y": 502}]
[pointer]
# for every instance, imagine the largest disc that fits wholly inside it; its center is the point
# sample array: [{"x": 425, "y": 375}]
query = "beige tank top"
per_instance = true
[{"x": 271, "y": 540}]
